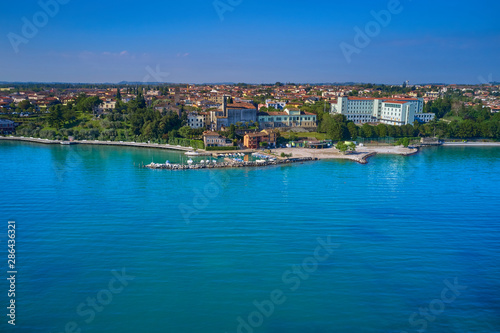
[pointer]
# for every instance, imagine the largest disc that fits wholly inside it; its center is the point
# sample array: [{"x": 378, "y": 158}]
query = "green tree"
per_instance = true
[
  {"x": 367, "y": 131},
  {"x": 55, "y": 117},
  {"x": 293, "y": 137},
  {"x": 24, "y": 105},
  {"x": 403, "y": 142},
  {"x": 185, "y": 132},
  {"x": 353, "y": 130},
  {"x": 341, "y": 146},
  {"x": 338, "y": 131},
  {"x": 381, "y": 130}
]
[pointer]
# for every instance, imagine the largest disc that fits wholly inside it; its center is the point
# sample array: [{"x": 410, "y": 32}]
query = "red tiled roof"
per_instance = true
[
  {"x": 241, "y": 106},
  {"x": 395, "y": 102},
  {"x": 401, "y": 99},
  {"x": 351, "y": 98}
]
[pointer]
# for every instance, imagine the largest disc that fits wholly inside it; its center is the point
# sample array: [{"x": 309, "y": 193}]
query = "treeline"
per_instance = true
[
  {"x": 128, "y": 121},
  {"x": 479, "y": 124}
]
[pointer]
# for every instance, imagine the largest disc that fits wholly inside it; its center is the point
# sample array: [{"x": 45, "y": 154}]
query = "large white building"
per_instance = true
[
  {"x": 195, "y": 120},
  {"x": 398, "y": 113},
  {"x": 291, "y": 117},
  {"x": 391, "y": 111}
]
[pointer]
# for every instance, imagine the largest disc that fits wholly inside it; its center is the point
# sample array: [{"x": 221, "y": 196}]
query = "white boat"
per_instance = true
[
  {"x": 190, "y": 161},
  {"x": 192, "y": 153}
]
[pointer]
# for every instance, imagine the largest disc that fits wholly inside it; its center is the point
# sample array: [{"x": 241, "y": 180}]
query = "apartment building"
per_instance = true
[{"x": 195, "y": 120}]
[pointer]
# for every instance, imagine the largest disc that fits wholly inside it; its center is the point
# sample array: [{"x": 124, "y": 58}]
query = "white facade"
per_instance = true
[
  {"x": 195, "y": 120},
  {"x": 424, "y": 117},
  {"x": 365, "y": 110},
  {"x": 357, "y": 110},
  {"x": 398, "y": 113},
  {"x": 278, "y": 105},
  {"x": 106, "y": 106}
]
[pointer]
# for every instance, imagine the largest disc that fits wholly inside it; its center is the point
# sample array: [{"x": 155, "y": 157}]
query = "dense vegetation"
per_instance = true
[
  {"x": 453, "y": 120},
  {"x": 131, "y": 121},
  {"x": 135, "y": 121}
]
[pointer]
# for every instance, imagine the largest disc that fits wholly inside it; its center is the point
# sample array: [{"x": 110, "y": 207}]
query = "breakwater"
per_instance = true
[{"x": 224, "y": 165}]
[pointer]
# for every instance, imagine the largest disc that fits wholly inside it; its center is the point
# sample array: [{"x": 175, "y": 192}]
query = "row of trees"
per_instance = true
[
  {"x": 132, "y": 120},
  {"x": 460, "y": 121},
  {"x": 337, "y": 128}
]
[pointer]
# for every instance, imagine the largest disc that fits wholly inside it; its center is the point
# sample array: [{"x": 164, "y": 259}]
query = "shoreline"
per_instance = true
[
  {"x": 472, "y": 144},
  {"x": 361, "y": 155},
  {"x": 104, "y": 143}
]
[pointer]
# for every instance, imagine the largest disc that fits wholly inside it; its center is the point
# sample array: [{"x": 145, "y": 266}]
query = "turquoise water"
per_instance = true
[{"x": 203, "y": 246}]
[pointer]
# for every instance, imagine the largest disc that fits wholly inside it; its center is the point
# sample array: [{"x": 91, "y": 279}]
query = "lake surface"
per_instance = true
[{"x": 103, "y": 245}]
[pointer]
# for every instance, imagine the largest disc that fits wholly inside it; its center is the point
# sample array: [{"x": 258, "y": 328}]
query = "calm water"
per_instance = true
[{"x": 203, "y": 246}]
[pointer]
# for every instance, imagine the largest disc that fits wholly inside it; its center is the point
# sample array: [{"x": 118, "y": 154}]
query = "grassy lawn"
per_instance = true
[
  {"x": 318, "y": 136},
  {"x": 449, "y": 119}
]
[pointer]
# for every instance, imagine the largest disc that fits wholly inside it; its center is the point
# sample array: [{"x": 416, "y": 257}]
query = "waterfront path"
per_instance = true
[
  {"x": 361, "y": 154},
  {"x": 105, "y": 143}
]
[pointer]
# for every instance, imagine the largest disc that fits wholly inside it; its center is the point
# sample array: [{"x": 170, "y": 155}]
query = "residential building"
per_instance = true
[
  {"x": 106, "y": 106},
  {"x": 214, "y": 139},
  {"x": 195, "y": 120},
  {"x": 232, "y": 114},
  {"x": 424, "y": 117},
  {"x": 253, "y": 140},
  {"x": 433, "y": 94},
  {"x": 290, "y": 117},
  {"x": 278, "y": 105},
  {"x": 218, "y": 99},
  {"x": 7, "y": 126}
]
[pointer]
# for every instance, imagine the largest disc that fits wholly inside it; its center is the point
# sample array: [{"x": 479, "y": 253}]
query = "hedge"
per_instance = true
[
  {"x": 197, "y": 144},
  {"x": 221, "y": 148}
]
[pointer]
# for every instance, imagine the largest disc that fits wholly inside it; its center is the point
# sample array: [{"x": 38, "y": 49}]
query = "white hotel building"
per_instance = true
[{"x": 397, "y": 112}]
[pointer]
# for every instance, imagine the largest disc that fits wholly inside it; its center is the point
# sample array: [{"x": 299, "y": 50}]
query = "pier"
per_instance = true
[{"x": 229, "y": 164}]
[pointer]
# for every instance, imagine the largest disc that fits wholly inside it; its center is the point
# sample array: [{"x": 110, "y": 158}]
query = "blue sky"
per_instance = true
[{"x": 255, "y": 42}]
